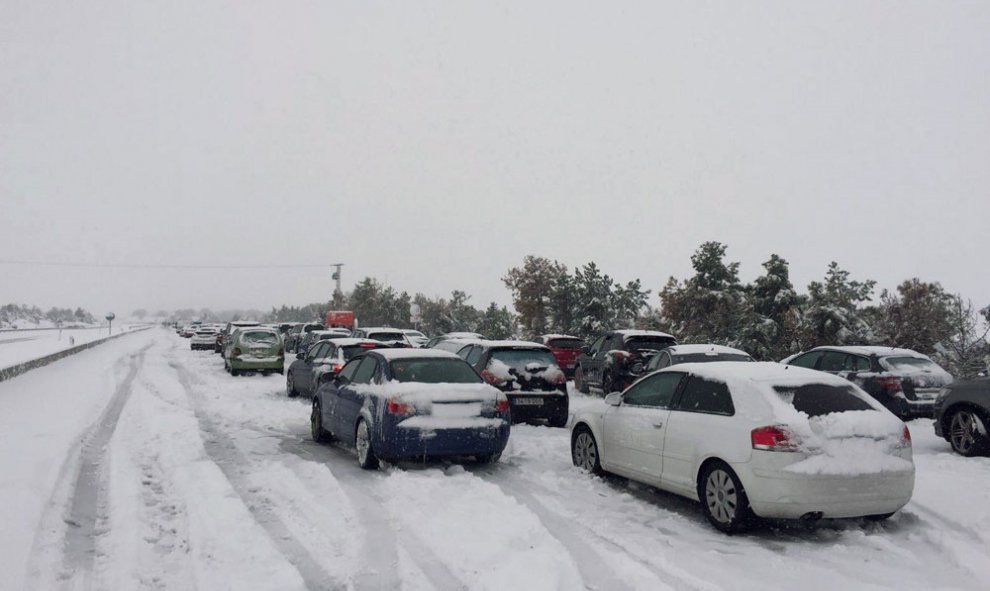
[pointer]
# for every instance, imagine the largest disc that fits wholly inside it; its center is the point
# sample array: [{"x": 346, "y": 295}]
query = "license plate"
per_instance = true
[
  {"x": 528, "y": 401},
  {"x": 571, "y": 365}
]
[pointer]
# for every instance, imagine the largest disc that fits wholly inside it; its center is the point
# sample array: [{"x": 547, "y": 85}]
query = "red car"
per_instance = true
[{"x": 565, "y": 349}]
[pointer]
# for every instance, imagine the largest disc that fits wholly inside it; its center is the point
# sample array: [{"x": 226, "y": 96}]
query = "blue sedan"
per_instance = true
[{"x": 395, "y": 404}]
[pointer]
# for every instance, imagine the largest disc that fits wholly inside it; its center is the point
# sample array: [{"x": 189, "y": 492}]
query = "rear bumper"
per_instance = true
[
  {"x": 783, "y": 495},
  {"x": 913, "y": 409},
  {"x": 416, "y": 442},
  {"x": 275, "y": 363}
]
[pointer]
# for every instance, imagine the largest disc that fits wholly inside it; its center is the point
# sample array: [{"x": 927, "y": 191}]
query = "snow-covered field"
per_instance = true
[
  {"x": 18, "y": 346},
  {"x": 142, "y": 465}
]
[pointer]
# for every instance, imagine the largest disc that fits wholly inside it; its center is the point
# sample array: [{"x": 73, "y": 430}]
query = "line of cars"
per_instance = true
[{"x": 811, "y": 438}]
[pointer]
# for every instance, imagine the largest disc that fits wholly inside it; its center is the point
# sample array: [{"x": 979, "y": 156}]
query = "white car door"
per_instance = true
[{"x": 634, "y": 430}]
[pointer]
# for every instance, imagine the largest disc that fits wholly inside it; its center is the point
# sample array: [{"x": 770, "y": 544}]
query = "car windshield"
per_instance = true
[
  {"x": 910, "y": 364},
  {"x": 352, "y": 350},
  {"x": 648, "y": 343},
  {"x": 257, "y": 337},
  {"x": 523, "y": 358},
  {"x": 434, "y": 371},
  {"x": 565, "y": 343},
  {"x": 821, "y": 399},
  {"x": 387, "y": 336},
  {"x": 704, "y": 358}
]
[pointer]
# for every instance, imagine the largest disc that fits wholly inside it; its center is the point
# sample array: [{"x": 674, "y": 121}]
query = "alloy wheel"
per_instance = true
[
  {"x": 585, "y": 451},
  {"x": 965, "y": 431}
]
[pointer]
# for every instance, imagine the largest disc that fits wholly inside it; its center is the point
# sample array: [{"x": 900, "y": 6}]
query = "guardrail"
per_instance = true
[{"x": 15, "y": 370}]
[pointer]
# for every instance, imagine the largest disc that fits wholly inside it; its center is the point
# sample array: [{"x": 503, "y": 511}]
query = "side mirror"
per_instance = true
[
  {"x": 614, "y": 399},
  {"x": 300, "y": 355}
]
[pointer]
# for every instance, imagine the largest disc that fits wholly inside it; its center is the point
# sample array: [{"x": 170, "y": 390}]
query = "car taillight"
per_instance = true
[
  {"x": 560, "y": 379},
  {"x": 237, "y": 351},
  {"x": 889, "y": 383},
  {"x": 337, "y": 367},
  {"x": 368, "y": 346},
  {"x": 399, "y": 408},
  {"x": 621, "y": 355},
  {"x": 281, "y": 352},
  {"x": 501, "y": 403},
  {"x": 906, "y": 437},
  {"x": 490, "y": 378},
  {"x": 773, "y": 438}
]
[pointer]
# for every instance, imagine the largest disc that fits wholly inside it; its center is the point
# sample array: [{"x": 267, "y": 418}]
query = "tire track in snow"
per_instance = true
[
  {"x": 222, "y": 450},
  {"x": 572, "y": 535},
  {"x": 87, "y": 509}
]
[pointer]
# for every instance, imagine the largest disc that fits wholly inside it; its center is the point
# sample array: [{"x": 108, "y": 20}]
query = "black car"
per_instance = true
[
  {"x": 904, "y": 381},
  {"x": 296, "y": 334},
  {"x": 527, "y": 373},
  {"x": 323, "y": 360},
  {"x": 962, "y": 416},
  {"x": 618, "y": 358}
]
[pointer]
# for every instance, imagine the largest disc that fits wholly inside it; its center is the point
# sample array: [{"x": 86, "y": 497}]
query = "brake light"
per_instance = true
[
  {"x": 501, "y": 403},
  {"x": 490, "y": 378},
  {"x": 906, "y": 437},
  {"x": 773, "y": 438},
  {"x": 399, "y": 408},
  {"x": 281, "y": 352},
  {"x": 560, "y": 379},
  {"x": 890, "y": 383},
  {"x": 337, "y": 367},
  {"x": 368, "y": 346},
  {"x": 621, "y": 355}
]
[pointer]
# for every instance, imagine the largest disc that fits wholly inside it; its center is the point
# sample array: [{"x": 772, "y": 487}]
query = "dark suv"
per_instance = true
[
  {"x": 617, "y": 359},
  {"x": 904, "y": 381},
  {"x": 528, "y": 374}
]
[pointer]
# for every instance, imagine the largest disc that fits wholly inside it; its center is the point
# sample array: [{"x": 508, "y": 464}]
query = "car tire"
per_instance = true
[
  {"x": 290, "y": 386},
  {"x": 579, "y": 381},
  {"x": 879, "y": 517},
  {"x": 584, "y": 451},
  {"x": 316, "y": 430},
  {"x": 607, "y": 383},
  {"x": 365, "y": 450},
  {"x": 488, "y": 458},
  {"x": 967, "y": 432},
  {"x": 234, "y": 372},
  {"x": 723, "y": 498}
]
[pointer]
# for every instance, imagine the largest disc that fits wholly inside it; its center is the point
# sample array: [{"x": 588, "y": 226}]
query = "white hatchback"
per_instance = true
[{"x": 752, "y": 439}]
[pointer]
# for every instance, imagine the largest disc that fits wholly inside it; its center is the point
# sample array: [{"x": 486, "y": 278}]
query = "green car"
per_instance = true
[{"x": 254, "y": 348}]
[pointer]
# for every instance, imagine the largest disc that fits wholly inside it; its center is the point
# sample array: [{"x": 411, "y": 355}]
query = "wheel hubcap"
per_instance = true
[
  {"x": 585, "y": 452},
  {"x": 963, "y": 431},
  {"x": 362, "y": 442},
  {"x": 720, "y": 496}
]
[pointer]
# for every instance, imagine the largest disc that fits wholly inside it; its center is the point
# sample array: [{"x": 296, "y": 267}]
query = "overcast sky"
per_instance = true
[{"x": 435, "y": 144}]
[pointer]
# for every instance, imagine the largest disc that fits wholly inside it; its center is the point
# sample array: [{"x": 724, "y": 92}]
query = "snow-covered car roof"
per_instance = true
[
  {"x": 244, "y": 323},
  {"x": 509, "y": 343},
  {"x": 872, "y": 350},
  {"x": 462, "y": 335},
  {"x": 347, "y": 342},
  {"x": 391, "y": 354},
  {"x": 702, "y": 349},
  {"x": 642, "y": 333},
  {"x": 559, "y": 336}
]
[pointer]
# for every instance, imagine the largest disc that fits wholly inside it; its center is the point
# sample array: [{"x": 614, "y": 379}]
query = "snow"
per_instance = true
[
  {"x": 704, "y": 349},
  {"x": 19, "y": 346},
  {"x": 392, "y": 354},
  {"x": 642, "y": 333},
  {"x": 212, "y": 482}
]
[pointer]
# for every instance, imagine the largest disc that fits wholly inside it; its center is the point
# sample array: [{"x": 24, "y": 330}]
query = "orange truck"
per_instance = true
[{"x": 340, "y": 319}]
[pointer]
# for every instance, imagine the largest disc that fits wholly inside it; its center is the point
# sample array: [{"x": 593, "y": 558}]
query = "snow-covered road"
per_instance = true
[{"x": 142, "y": 465}]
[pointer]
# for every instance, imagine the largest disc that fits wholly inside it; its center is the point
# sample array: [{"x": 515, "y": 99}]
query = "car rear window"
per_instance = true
[
  {"x": 821, "y": 399},
  {"x": 434, "y": 371},
  {"x": 522, "y": 358},
  {"x": 312, "y": 327},
  {"x": 387, "y": 336},
  {"x": 259, "y": 337},
  {"x": 648, "y": 343},
  {"x": 910, "y": 364},
  {"x": 352, "y": 350},
  {"x": 565, "y": 343}
]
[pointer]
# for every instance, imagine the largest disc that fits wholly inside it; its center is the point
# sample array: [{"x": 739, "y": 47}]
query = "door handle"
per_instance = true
[{"x": 658, "y": 425}]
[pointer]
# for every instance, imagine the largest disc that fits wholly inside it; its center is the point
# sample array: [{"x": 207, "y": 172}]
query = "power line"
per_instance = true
[{"x": 155, "y": 265}]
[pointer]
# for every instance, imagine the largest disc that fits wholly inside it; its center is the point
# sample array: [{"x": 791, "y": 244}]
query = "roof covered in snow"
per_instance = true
[
  {"x": 560, "y": 336},
  {"x": 873, "y": 350},
  {"x": 526, "y": 344},
  {"x": 703, "y": 349},
  {"x": 391, "y": 354},
  {"x": 642, "y": 333}
]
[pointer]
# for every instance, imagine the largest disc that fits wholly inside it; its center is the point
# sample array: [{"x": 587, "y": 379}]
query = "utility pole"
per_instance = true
[{"x": 336, "y": 277}]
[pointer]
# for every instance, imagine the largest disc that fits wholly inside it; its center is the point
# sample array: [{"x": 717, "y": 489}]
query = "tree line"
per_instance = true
[{"x": 14, "y": 314}]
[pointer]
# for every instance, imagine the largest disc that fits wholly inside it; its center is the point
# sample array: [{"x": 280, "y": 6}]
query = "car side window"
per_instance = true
[
  {"x": 475, "y": 355},
  {"x": 597, "y": 346},
  {"x": 833, "y": 361},
  {"x": 366, "y": 371},
  {"x": 664, "y": 359},
  {"x": 465, "y": 351},
  {"x": 350, "y": 369},
  {"x": 860, "y": 363},
  {"x": 311, "y": 353},
  {"x": 320, "y": 350},
  {"x": 656, "y": 390},
  {"x": 807, "y": 360},
  {"x": 706, "y": 396}
]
